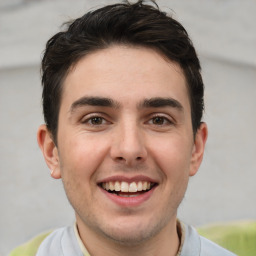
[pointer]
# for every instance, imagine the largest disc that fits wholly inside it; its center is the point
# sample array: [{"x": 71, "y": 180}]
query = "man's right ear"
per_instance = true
[{"x": 49, "y": 150}]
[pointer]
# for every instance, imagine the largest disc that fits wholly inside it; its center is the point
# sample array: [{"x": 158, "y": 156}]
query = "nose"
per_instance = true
[{"x": 128, "y": 146}]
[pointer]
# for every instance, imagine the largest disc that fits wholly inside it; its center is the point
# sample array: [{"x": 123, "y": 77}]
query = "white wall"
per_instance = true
[{"x": 224, "y": 189}]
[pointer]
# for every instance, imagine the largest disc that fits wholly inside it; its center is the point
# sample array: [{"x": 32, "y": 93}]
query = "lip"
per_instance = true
[{"x": 128, "y": 201}]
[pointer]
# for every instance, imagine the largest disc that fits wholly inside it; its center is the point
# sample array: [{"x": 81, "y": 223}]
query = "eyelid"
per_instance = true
[
  {"x": 164, "y": 115},
  {"x": 170, "y": 120},
  {"x": 90, "y": 116}
]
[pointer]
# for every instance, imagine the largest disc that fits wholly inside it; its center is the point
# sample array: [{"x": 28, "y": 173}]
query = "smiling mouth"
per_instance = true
[{"x": 125, "y": 189}]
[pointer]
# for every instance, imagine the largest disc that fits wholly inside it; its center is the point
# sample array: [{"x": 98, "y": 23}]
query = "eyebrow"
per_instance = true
[
  {"x": 159, "y": 102},
  {"x": 94, "y": 101}
]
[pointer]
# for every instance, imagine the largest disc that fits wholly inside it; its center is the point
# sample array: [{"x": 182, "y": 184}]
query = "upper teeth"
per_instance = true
[{"x": 125, "y": 186}]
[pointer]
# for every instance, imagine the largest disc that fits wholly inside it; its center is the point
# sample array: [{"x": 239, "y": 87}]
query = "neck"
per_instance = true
[{"x": 164, "y": 243}]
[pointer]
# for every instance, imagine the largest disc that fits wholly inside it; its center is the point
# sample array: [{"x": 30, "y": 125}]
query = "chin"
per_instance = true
[
  {"x": 129, "y": 238},
  {"x": 132, "y": 235}
]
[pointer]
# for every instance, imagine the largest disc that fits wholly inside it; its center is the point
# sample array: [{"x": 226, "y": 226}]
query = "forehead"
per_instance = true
[{"x": 125, "y": 73}]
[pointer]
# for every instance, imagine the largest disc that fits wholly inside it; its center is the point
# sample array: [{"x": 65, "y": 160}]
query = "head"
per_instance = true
[
  {"x": 123, "y": 101},
  {"x": 120, "y": 24}
]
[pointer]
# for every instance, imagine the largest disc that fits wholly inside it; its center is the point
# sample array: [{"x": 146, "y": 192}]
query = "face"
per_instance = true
[{"x": 125, "y": 142}]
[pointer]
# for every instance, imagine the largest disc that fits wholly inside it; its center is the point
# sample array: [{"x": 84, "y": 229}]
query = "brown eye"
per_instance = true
[
  {"x": 96, "y": 120},
  {"x": 158, "y": 120}
]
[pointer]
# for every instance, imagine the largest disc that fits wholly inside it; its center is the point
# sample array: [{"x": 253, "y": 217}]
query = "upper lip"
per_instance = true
[{"x": 128, "y": 179}]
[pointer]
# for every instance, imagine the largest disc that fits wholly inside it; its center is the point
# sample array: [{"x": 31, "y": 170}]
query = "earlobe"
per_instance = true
[
  {"x": 49, "y": 150},
  {"x": 198, "y": 149}
]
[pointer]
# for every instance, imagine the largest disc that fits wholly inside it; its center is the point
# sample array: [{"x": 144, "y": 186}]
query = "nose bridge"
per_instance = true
[{"x": 129, "y": 144}]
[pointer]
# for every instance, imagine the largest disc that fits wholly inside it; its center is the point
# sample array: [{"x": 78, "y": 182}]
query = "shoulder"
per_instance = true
[
  {"x": 209, "y": 248},
  {"x": 60, "y": 242},
  {"x": 195, "y": 245},
  {"x": 30, "y": 248}
]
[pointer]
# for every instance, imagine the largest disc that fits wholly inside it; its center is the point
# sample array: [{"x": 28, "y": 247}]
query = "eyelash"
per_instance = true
[
  {"x": 89, "y": 120},
  {"x": 166, "y": 121}
]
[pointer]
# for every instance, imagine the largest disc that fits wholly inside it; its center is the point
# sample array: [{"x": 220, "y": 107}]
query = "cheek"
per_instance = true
[
  {"x": 173, "y": 156},
  {"x": 81, "y": 156}
]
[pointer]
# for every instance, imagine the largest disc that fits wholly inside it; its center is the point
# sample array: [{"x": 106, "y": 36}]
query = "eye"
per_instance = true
[
  {"x": 160, "y": 120},
  {"x": 94, "y": 121}
]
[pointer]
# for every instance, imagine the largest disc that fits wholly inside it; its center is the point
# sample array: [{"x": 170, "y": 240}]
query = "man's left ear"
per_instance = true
[{"x": 198, "y": 149}]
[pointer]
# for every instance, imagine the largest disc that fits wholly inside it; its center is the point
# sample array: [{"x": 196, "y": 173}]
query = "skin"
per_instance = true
[{"x": 128, "y": 138}]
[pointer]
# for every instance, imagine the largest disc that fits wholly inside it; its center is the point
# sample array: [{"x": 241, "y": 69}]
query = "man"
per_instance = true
[{"x": 123, "y": 102}]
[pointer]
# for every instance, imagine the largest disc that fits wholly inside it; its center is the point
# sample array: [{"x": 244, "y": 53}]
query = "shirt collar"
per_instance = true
[{"x": 81, "y": 245}]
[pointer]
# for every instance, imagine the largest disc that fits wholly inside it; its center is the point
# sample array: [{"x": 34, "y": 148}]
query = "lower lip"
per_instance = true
[{"x": 129, "y": 201}]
